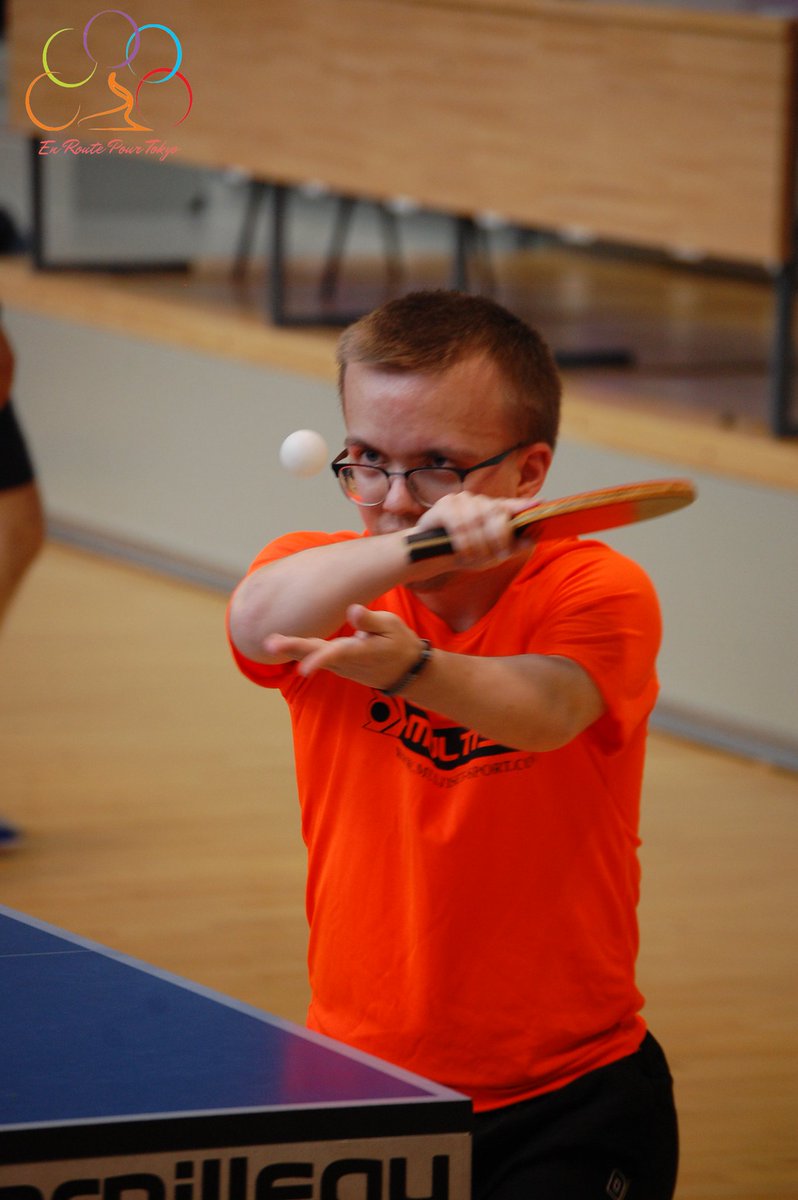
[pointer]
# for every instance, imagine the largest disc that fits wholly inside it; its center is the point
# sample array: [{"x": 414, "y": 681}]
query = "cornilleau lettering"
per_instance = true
[{"x": 377, "y": 1179}]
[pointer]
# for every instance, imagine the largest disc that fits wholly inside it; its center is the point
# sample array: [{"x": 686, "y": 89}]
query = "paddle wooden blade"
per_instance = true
[{"x": 586, "y": 512}]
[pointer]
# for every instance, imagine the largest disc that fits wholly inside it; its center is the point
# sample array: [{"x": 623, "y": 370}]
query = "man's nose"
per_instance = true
[{"x": 399, "y": 498}]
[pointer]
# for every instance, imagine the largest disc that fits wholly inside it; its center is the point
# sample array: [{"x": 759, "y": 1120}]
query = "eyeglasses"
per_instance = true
[{"x": 368, "y": 486}]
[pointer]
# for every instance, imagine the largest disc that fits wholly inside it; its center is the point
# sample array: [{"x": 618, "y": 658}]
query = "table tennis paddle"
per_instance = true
[{"x": 586, "y": 512}]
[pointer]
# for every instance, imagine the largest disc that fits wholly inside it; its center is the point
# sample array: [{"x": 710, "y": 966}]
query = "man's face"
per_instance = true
[{"x": 454, "y": 419}]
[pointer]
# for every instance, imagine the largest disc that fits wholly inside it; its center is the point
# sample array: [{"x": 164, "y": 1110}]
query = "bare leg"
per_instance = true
[{"x": 21, "y": 537}]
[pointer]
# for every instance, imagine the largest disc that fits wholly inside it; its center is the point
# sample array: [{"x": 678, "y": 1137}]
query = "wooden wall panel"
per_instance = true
[{"x": 672, "y": 134}]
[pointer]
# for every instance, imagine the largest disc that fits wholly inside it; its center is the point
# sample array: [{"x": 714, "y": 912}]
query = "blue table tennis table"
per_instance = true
[{"x": 119, "y": 1081}]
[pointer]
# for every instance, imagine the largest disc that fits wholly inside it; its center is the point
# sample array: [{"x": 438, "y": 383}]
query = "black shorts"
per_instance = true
[
  {"x": 611, "y": 1133},
  {"x": 16, "y": 468}
]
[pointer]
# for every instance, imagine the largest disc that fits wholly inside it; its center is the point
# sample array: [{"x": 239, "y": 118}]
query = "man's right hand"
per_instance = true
[{"x": 479, "y": 528}]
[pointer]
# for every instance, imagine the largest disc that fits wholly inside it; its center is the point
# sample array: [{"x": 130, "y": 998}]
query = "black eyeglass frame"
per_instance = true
[{"x": 338, "y": 464}]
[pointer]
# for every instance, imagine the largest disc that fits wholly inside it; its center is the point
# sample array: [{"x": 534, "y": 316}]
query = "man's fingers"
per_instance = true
[
  {"x": 478, "y": 526},
  {"x": 291, "y": 647},
  {"x": 370, "y": 622},
  {"x": 379, "y": 649},
  {"x": 487, "y": 535}
]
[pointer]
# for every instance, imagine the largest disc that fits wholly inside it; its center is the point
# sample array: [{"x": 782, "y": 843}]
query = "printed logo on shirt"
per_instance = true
[{"x": 444, "y": 747}]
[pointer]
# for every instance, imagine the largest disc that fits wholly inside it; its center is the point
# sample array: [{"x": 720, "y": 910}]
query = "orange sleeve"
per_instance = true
[
  {"x": 605, "y": 615},
  {"x": 264, "y": 674}
]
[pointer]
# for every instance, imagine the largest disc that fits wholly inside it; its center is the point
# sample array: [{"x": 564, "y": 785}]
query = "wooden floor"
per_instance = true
[{"x": 156, "y": 788}]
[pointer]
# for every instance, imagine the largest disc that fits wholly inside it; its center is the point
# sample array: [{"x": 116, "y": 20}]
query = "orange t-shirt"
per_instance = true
[{"x": 472, "y": 907}]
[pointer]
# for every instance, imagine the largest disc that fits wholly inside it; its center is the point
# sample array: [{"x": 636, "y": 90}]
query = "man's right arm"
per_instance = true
[{"x": 308, "y": 593}]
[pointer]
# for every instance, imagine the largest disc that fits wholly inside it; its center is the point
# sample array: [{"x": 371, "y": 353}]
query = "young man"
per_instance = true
[{"x": 469, "y": 734}]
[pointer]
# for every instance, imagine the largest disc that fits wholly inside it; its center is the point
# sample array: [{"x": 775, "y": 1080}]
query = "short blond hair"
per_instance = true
[{"x": 431, "y": 331}]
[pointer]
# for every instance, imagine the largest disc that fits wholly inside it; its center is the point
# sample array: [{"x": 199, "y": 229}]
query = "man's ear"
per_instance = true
[{"x": 534, "y": 467}]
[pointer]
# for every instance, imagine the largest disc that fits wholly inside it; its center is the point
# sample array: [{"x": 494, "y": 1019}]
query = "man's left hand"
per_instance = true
[{"x": 380, "y": 651}]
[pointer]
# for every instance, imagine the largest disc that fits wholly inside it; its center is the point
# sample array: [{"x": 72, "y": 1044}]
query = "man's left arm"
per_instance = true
[{"x": 532, "y": 702}]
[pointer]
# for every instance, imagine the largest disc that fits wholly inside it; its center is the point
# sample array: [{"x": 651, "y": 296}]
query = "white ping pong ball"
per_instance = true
[{"x": 304, "y": 453}]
